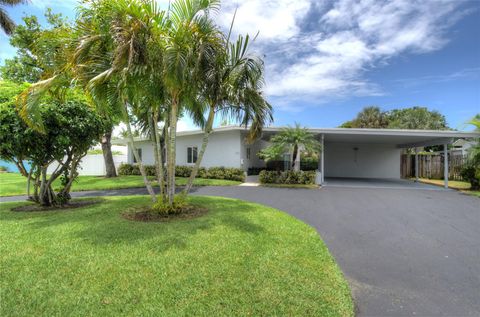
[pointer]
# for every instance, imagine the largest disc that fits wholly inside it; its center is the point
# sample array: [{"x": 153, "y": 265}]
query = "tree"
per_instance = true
[
  {"x": 292, "y": 140},
  {"x": 6, "y": 22},
  {"x": 232, "y": 88},
  {"x": 417, "y": 118},
  {"x": 471, "y": 172},
  {"x": 370, "y": 117},
  {"x": 71, "y": 128}
]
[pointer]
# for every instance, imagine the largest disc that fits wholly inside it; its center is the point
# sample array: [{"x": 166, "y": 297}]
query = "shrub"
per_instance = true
[
  {"x": 180, "y": 203},
  {"x": 471, "y": 174},
  {"x": 234, "y": 174},
  {"x": 3, "y": 169},
  {"x": 287, "y": 177}
]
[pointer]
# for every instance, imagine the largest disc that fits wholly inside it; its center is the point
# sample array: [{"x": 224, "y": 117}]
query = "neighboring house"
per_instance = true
[
  {"x": 359, "y": 153},
  {"x": 461, "y": 146}
]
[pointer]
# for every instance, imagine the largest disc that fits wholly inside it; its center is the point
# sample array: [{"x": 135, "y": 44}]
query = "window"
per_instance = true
[
  {"x": 139, "y": 151},
  {"x": 191, "y": 154},
  {"x": 248, "y": 153}
]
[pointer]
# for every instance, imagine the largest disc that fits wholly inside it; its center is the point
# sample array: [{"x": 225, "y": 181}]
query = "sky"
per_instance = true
[{"x": 326, "y": 60}]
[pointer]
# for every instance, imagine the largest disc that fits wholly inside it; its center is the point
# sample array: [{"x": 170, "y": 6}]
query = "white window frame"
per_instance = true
[
  {"x": 192, "y": 162},
  {"x": 249, "y": 152}
]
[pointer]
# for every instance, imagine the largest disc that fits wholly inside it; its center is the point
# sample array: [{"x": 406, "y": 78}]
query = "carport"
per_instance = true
[{"x": 376, "y": 153}]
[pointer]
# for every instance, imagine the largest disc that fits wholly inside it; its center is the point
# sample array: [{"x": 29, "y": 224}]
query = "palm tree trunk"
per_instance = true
[
  {"x": 208, "y": 130},
  {"x": 157, "y": 152},
  {"x": 297, "y": 160},
  {"x": 107, "y": 155},
  {"x": 171, "y": 152},
  {"x": 139, "y": 160}
]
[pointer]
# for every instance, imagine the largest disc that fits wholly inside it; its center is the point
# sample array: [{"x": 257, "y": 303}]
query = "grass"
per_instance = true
[
  {"x": 459, "y": 185},
  {"x": 238, "y": 259},
  {"x": 15, "y": 184}
]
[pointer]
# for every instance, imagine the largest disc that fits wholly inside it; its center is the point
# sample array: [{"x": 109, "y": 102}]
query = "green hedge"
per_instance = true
[
  {"x": 287, "y": 177},
  {"x": 234, "y": 174}
]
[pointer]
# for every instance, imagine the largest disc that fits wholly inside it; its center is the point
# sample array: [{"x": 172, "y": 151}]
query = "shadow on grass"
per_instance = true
[{"x": 102, "y": 224}]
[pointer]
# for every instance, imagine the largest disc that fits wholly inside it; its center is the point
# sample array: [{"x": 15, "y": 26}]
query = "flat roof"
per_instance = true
[{"x": 401, "y": 138}]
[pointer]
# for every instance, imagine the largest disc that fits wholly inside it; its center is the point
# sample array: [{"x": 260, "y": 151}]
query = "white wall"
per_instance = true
[
  {"x": 224, "y": 149},
  {"x": 93, "y": 164},
  {"x": 371, "y": 160}
]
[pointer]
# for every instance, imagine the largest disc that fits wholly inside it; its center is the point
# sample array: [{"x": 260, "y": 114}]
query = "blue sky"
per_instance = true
[{"x": 326, "y": 60}]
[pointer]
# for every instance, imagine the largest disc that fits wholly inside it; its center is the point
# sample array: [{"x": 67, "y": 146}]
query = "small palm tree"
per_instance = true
[
  {"x": 293, "y": 140},
  {"x": 6, "y": 22}
]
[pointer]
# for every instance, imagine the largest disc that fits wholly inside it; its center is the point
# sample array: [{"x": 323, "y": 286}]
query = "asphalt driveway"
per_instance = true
[{"x": 405, "y": 252}]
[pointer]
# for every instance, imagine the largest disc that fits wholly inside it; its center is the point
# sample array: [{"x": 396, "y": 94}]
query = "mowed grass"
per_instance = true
[
  {"x": 15, "y": 184},
  {"x": 459, "y": 185},
  {"x": 238, "y": 259}
]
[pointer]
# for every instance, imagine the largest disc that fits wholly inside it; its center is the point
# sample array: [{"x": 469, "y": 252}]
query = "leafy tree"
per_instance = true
[
  {"x": 37, "y": 48},
  {"x": 370, "y": 117},
  {"x": 71, "y": 128},
  {"x": 293, "y": 140},
  {"x": 6, "y": 22},
  {"x": 10, "y": 90},
  {"x": 417, "y": 118},
  {"x": 471, "y": 172}
]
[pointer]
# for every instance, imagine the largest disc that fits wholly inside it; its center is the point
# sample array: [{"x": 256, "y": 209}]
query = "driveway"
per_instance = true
[{"x": 405, "y": 252}]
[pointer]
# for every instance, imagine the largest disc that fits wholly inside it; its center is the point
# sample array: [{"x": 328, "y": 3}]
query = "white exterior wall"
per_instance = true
[
  {"x": 93, "y": 164},
  {"x": 372, "y": 160},
  {"x": 224, "y": 149}
]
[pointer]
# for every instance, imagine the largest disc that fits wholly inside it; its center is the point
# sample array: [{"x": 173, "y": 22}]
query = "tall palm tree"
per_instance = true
[
  {"x": 6, "y": 22},
  {"x": 232, "y": 88}
]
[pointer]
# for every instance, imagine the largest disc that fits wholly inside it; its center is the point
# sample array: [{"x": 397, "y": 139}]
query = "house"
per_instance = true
[{"x": 352, "y": 153}]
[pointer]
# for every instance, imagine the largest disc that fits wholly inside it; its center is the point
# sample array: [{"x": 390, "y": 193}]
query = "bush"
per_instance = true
[
  {"x": 287, "y": 177},
  {"x": 471, "y": 174},
  {"x": 3, "y": 169},
  {"x": 180, "y": 203},
  {"x": 227, "y": 173}
]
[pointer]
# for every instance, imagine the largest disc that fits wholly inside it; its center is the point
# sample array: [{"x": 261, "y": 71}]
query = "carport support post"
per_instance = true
[
  {"x": 416, "y": 164},
  {"x": 445, "y": 164},
  {"x": 323, "y": 159}
]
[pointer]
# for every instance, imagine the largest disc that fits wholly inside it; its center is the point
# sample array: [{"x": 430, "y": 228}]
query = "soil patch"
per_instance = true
[
  {"x": 66, "y": 207},
  {"x": 146, "y": 215}
]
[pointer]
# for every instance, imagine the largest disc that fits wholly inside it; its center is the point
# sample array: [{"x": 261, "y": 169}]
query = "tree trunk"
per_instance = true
[
  {"x": 208, "y": 130},
  {"x": 171, "y": 151},
  {"x": 107, "y": 155},
  {"x": 159, "y": 156},
  {"x": 296, "y": 166},
  {"x": 139, "y": 161}
]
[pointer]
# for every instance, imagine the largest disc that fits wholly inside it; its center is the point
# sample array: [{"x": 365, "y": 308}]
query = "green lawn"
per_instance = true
[
  {"x": 15, "y": 184},
  {"x": 459, "y": 185},
  {"x": 238, "y": 259}
]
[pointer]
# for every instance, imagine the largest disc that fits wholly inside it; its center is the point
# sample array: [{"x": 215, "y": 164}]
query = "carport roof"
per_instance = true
[{"x": 400, "y": 138}]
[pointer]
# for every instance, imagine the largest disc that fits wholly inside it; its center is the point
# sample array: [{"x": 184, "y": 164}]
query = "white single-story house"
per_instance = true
[{"x": 349, "y": 153}]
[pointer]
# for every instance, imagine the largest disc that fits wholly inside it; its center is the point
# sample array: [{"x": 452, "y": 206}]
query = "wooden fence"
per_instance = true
[{"x": 431, "y": 166}]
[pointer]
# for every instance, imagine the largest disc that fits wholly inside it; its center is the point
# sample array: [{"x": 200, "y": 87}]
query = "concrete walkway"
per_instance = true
[{"x": 405, "y": 252}]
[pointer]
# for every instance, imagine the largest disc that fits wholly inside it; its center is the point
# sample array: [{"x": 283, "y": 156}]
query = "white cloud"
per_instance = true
[{"x": 322, "y": 52}]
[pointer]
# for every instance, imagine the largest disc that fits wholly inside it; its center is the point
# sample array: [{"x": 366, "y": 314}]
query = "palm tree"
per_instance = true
[
  {"x": 371, "y": 117},
  {"x": 6, "y": 22},
  {"x": 232, "y": 88},
  {"x": 294, "y": 140}
]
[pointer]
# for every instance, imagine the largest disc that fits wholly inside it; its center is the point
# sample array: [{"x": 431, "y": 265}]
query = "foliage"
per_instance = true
[
  {"x": 287, "y": 177},
  {"x": 72, "y": 129},
  {"x": 227, "y": 173},
  {"x": 292, "y": 140},
  {"x": 179, "y": 204},
  {"x": 471, "y": 174},
  {"x": 99, "y": 151},
  {"x": 10, "y": 90},
  {"x": 417, "y": 118},
  {"x": 39, "y": 49},
  {"x": 3, "y": 169}
]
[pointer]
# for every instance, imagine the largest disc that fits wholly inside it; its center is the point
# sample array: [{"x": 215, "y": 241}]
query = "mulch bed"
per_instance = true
[
  {"x": 145, "y": 215},
  {"x": 71, "y": 205}
]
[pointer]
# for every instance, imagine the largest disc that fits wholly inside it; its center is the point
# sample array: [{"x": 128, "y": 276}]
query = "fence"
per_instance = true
[{"x": 431, "y": 166}]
